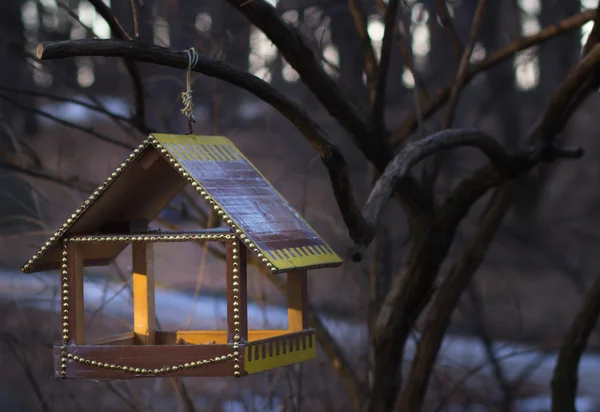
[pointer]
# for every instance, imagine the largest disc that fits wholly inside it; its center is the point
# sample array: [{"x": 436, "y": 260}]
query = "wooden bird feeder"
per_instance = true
[{"x": 117, "y": 213}]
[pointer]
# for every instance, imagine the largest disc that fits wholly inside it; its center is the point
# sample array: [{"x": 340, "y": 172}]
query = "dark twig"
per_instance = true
[
  {"x": 441, "y": 9},
  {"x": 478, "y": 315},
  {"x": 134, "y": 73},
  {"x": 463, "y": 67},
  {"x": 58, "y": 120},
  {"x": 360, "y": 23},
  {"x": 439, "y": 98},
  {"x": 79, "y": 185},
  {"x": 75, "y": 16},
  {"x": 136, "y": 24},
  {"x": 103, "y": 10},
  {"x": 564, "y": 380},
  {"x": 384, "y": 64},
  {"x": 54, "y": 97}
]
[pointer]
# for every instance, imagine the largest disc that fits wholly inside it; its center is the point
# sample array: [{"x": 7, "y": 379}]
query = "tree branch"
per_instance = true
[
  {"x": 134, "y": 73},
  {"x": 374, "y": 145},
  {"x": 441, "y": 9},
  {"x": 413, "y": 287},
  {"x": 463, "y": 66},
  {"x": 412, "y": 154},
  {"x": 73, "y": 183},
  {"x": 330, "y": 155},
  {"x": 439, "y": 98},
  {"x": 291, "y": 45},
  {"x": 564, "y": 379},
  {"x": 58, "y": 120},
  {"x": 448, "y": 296},
  {"x": 360, "y": 22},
  {"x": 384, "y": 64}
]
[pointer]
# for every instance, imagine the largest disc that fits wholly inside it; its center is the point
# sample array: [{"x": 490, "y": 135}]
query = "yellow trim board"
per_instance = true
[{"x": 277, "y": 361}]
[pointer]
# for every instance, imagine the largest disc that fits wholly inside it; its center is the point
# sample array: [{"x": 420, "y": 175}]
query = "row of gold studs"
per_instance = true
[
  {"x": 85, "y": 204},
  {"x": 212, "y": 203},
  {"x": 65, "y": 311},
  {"x": 131, "y": 369},
  {"x": 151, "y": 238},
  {"x": 236, "y": 303}
]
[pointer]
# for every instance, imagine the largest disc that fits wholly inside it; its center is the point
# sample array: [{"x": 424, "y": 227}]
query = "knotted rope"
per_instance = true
[{"x": 186, "y": 96}]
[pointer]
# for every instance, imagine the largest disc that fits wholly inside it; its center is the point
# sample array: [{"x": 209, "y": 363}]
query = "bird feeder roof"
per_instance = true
[{"x": 158, "y": 169}]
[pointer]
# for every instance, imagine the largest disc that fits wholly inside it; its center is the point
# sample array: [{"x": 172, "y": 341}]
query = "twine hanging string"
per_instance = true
[{"x": 186, "y": 96}]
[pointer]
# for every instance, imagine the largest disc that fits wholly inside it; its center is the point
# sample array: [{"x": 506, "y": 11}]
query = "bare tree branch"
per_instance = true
[
  {"x": 134, "y": 73},
  {"x": 296, "y": 52},
  {"x": 374, "y": 145},
  {"x": 463, "y": 66},
  {"x": 439, "y": 98},
  {"x": 413, "y": 287},
  {"x": 58, "y": 120},
  {"x": 564, "y": 379},
  {"x": 384, "y": 64},
  {"x": 360, "y": 22},
  {"x": 440, "y": 312},
  {"x": 441, "y": 9},
  {"x": 136, "y": 24},
  {"x": 414, "y": 153}
]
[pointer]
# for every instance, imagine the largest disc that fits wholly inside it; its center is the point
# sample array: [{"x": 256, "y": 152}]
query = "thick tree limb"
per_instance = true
[
  {"x": 384, "y": 64},
  {"x": 329, "y": 153},
  {"x": 439, "y": 98},
  {"x": 564, "y": 379},
  {"x": 412, "y": 291},
  {"x": 448, "y": 296},
  {"x": 374, "y": 145},
  {"x": 398, "y": 168},
  {"x": 412, "y": 288},
  {"x": 553, "y": 120},
  {"x": 296, "y": 52}
]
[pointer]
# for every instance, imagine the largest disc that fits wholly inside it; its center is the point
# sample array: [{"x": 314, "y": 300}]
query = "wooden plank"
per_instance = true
[
  {"x": 297, "y": 291},
  {"x": 237, "y": 300},
  {"x": 203, "y": 337},
  {"x": 127, "y": 338},
  {"x": 144, "y": 315},
  {"x": 72, "y": 295},
  {"x": 143, "y": 359}
]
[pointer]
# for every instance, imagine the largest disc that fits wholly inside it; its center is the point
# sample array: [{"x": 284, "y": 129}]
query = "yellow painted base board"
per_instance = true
[{"x": 278, "y": 361}]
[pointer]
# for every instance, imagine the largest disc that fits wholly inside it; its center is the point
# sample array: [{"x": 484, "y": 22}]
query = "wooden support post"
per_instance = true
[
  {"x": 144, "y": 315},
  {"x": 297, "y": 294},
  {"x": 237, "y": 310},
  {"x": 73, "y": 294}
]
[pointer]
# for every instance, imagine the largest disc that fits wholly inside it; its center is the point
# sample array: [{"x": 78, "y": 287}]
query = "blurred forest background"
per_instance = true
[{"x": 66, "y": 124}]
